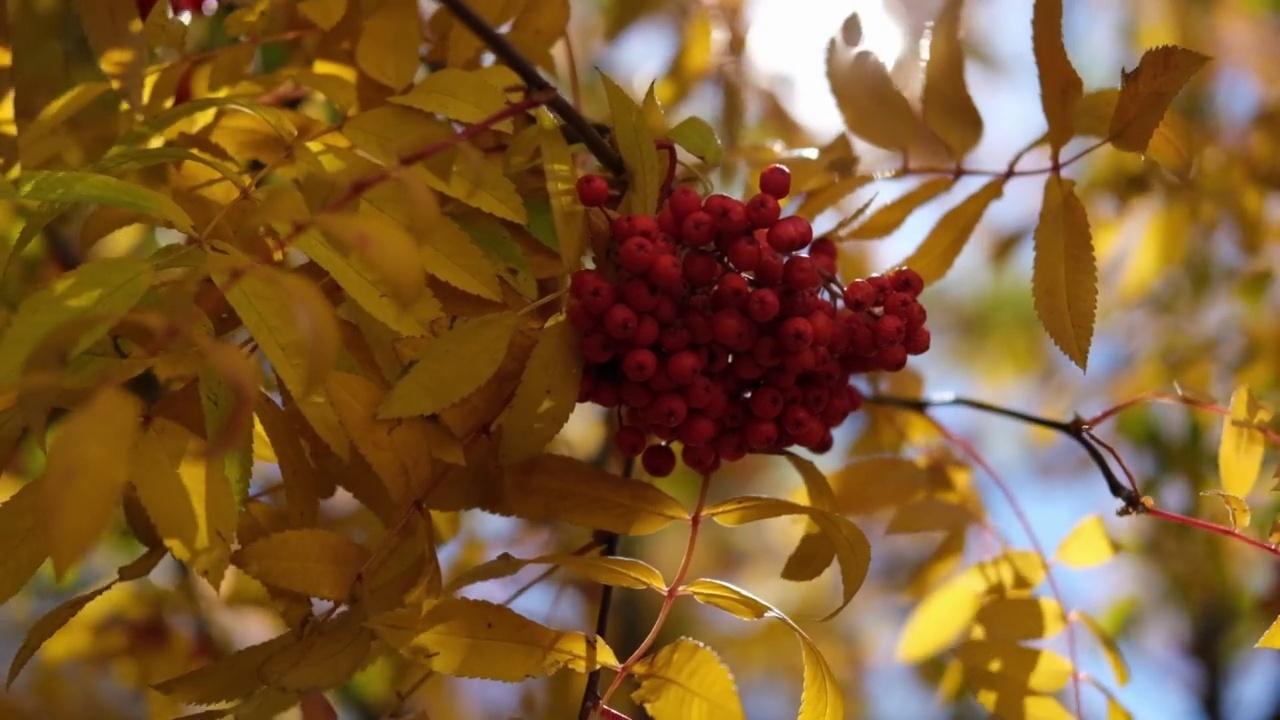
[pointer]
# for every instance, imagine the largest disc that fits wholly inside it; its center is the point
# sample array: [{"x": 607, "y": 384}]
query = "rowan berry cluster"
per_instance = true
[{"x": 720, "y": 324}]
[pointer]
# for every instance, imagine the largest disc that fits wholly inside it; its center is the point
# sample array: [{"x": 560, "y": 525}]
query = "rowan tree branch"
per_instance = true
[{"x": 513, "y": 58}]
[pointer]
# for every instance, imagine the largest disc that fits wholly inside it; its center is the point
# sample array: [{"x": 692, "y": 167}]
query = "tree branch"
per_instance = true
[
  {"x": 512, "y": 57},
  {"x": 609, "y": 541}
]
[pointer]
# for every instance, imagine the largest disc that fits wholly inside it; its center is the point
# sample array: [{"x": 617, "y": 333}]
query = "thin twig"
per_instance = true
[
  {"x": 507, "y": 53},
  {"x": 519, "y": 592},
  {"x": 609, "y": 541}
]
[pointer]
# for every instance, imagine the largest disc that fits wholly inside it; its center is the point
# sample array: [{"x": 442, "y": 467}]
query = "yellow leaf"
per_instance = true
[
  {"x": 876, "y": 483},
  {"x": 1171, "y": 145},
  {"x": 851, "y": 549},
  {"x": 1022, "y": 706},
  {"x": 947, "y": 108},
  {"x": 328, "y": 655},
  {"x": 449, "y": 254},
  {"x": 873, "y": 108},
  {"x": 1240, "y": 451},
  {"x": 295, "y": 327},
  {"x": 654, "y": 117},
  {"x": 162, "y": 29},
  {"x": 547, "y": 394},
  {"x": 1147, "y": 91},
  {"x": 537, "y": 28},
  {"x": 48, "y": 624},
  {"x": 190, "y": 504},
  {"x": 1271, "y": 638},
  {"x": 297, "y": 473},
  {"x": 891, "y": 216},
  {"x": 948, "y": 610},
  {"x": 21, "y": 536},
  {"x": 314, "y": 562},
  {"x": 227, "y": 678},
  {"x": 399, "y": 451},
  {"x": 567, "y": 212},
  {"x": 558, "y": 488},
  {"x": 463, "y": 46},
  {"x": 635, "y": 143},
  {"x": 1008, "y": 667},
  {"x": 361, "y": 284},
  {"x": 453, "y": 365},
  {"x": 1110, "y": 648},
  {"x": 1020, "y": 618},
  {"x": 90, "y": 299},
  {"x": 382, "y": 245},
  {"x": 686, "y": 680},
  {"x": 929, "y": 514},
  {"x": 1086, "y": 545},
  {"x": 815, "y": 552},
  {"x": 478, "y": 639},
  {"x": 388, "y": 47},
  {"x": 1060, "y": 85},
  {"x": 730, "y": 598},
  {"x": 461, "y": 95},
  {"x": 942, "y": 246},
  {"x": 1064, "y": 278},
  {"x": 114, "y": 31},
  {"x": 88, "y": 468},
  {"x": 616, "y": 571},
  {"x": 229, "y": 385},
  {"x": 1238, "y": 512},
  {"x": 324, "y": 13}
]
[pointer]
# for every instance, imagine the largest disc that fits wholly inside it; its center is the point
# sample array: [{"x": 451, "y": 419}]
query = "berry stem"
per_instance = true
[
  {"x": 513, "y": 58},
  {"x": 1205, "y": 525},
  {"x": 668, "y": 597}
]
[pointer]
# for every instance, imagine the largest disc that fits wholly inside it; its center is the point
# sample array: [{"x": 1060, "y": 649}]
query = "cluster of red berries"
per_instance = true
[{"x": 720, "y": 324}]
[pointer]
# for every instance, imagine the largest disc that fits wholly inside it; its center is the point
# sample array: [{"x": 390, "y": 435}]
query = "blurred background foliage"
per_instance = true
[{"x": 1187, "y": 299}]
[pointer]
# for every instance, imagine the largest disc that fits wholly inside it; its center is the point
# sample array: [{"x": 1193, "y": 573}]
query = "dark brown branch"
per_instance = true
[
  {"x": 508, "y": 54},
  {"x": 591, "y": 694}
]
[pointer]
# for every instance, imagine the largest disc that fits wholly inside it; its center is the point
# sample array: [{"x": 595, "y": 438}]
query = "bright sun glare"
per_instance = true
[{"x": 787, "y": 43}]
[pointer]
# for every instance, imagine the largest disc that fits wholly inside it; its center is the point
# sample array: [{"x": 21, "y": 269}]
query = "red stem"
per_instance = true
[
  {"x": 1207, "y": 526},
  {"x": 1173, "y": 399}
]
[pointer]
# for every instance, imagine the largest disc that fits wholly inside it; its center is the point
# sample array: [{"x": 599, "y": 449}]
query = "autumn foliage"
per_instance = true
[{"x": 338, "y": 315}]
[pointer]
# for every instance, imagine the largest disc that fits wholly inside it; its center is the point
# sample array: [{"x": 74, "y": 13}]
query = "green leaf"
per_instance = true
[
  {"x": 946, "y": 106},
  {"x": 1086, "y": 545},
  {"x": 686, "y": 680},
  {"x": 454, "y": 365},
  {"x": 67, "y": 186},
  {"x": 1064, "y": 277},
  {"x": 635, "y": 144},
  {"x": 1147, "y": 91},
  {"x": 615, "y": 571},
  {"x": 699, "y": 138},
  {"x": 942, "y": 246}
]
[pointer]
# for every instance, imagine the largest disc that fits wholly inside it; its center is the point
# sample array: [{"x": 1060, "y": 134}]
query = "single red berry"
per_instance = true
[
  {"x": 620, "y": 321},
  {"x": 811, "y": 436},
  {"x": 699, "y": 393},
  {"x": 684, "y": 201},
  {"x": 763, "y": 210},
  {"x": 796, "y": 420},
  {"x": 745, "y": 367},
  {"x": 668, "y": 409},
  {"x": 790, "y": 234},
  {"x": 899, "y": 304},
  {"x": 667, "y": 274},
  {"x": 598, "y": 347},
  {"x": 744, "y": 253},
  {"x": 915, "y": 315},
  {"x": 701, "y": 268},
  {"x": 907, "y": 280},
  {"x": 799, "y": 273},
  {"x": 859, "y": 296},
  {"x": 598, "y": 297},
  {"x": 775, "y": 180},
  {"x": 698, "y": 229},
  {"x": 917, "y": 341},
  {"x": 661, "y": 382},
  {"x": 769, "y": 269},
  {"x": 795, "y": 334},
  {"x": 825, "y": 443},
  {"x": 882, "y": 287},
  {"x": 624, "y": 226},
  {"x": 891, "y": 358},
  {"x": 800, "y": 361},
  {"x": 639, "y": 364},
  {"x": 675, "y": 337},
  {"x": 890, "y": 330},
  {"x": 684, "y": 366},
  {"x": 731, "y": 446},
  {"x": 658, "y": 460},
  {"x": 636, "y": 254},
  {"x": 699, "y": 325},
  {"x": 733, "y": 330},
  {"x": 638, "y": 294},
  {"x": 766, "y": 402},
  {"x": 816, "y": 398},
  {"x": 731, "y": 291},
  {"x": 593, "y": 190},
  {"x": 823, "y": 247},
  {"x": 767, "y": 351},
  {"x": 584, "y": 279},
  {"x": 697, "y": 429},
  {"x": 730, "y": 215},
  {"x": 823, "y": 328},
  {"x": 700, "y": 458},
  {"x": 668, "y": 224},
  {"x": 760, "y": 434},
  {"x": 762, "y": 305},
  {"x": 630, "y": 440}
]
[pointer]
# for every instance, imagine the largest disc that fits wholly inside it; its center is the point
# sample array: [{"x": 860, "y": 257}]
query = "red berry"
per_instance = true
[
  {"x": 665, "y": 310},
  {"x": 697, "y": 429},
  {"x": 684, "y": 201},
  {"x": 700, "y": 458},
  {"x": 891, "y": 358},
  {"x": 700, "y": 392},
  {"x": 746, "y": 367},
  {"x": 907, "y": 280},
  {"x": 667, "y": 222},
  {"x": 675, "y": 337},
  {"x": 598, "y": 348},
  {"x": 584, "y": 279},
  {"x": 701, "y": 268},
  {"x": 639, "y": 364},
  {"x": 667, "y": 274},
  {"x": 635, "y": 396},
  {"x": 731, "y": 291},
  {"x": 775, "y": 180},
  {"x": 917, "y": 342},
  {"x": 624, "y": 226},
  {"x": 795, "y": 334},
  {"x": 730, "y": 214},
  {"x": 658, "y": 460},
  {"x": 731, "y": 446},
  {"x": 816, "y": 398},
  {"x": 684, "y": 366},
  {"x": 796, "y": 420},
  {"x": 763, "y": 210},
  {"x": 598, "y": 297},
  {"x": 630, "y": 440},
  {"x": 593, "y": 190},
  {"x": 890, "y": 330},
  {"x": 859, "y": 296},
  {"x": 823, "y": 328},
  {"x": 823, "y": 247},
  {"x": 733, "y": 330},
  {"x": 766, "y": 402},
  {"x": 581, "y": 319},
  {"x": 790, "y": 234},
  {"x": 638, "y": 294},
  {"x": 760, "y": 434},
  {"x": 605, "y": 394},
  {"x": 620, "y": 321},
  {"x": 636, "y": 254},
  {"x": 767, "y": 351},
  {"x": 769, "y": 269},
  {"x": 668, "y": 409},
  {"x": 698, "y": 229},
  {"x": 762, "y": 305},
  {"x": 744, "y": 253},
  {"x": 799, "y": 273},
  {"x": 882, "y": 287}
]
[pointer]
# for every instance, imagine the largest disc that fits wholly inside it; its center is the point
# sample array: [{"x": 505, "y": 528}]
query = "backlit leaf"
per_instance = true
[
  {"x": 478, "y": 639},
  {"x": 230, "y": 677},
  {"x": 382, "y": 245},
  {"x": 22, "y": 538},
  {"x": 89, "y": 460},
  {"x": 399, "y": 451},
  {"x": 873, "y": 108},
  {"x": 947, "y": 611},
  {"x": 460, "y": 95},
  {"x": 1241, "y": 448},
  {"x": 1271, "y": 638},
  {"x": 453, "y": 365},
  {"x": 537, "y": 28},
  {"x": 1060, "y": 85},
  {"x": 388, "y": 47},
  {"x": 567, "y": 212},
  {"x": 1147, "y": 91},
  {"x": 65, "y": 186},
  {"x": 1022, "y": 706},
  {"x": 929, "y": 514},
  {"x": 1064, "y": 278},
  {"x": 48, "y": 624},
  {"x": 733, "y": 600},
  {"x": 1086, "y": 545},
  {"x": 635, "y": 144},
  {"x": 890, "y": 217},
  {"x": 686, "y": 680},
  {"x": 616, "y": 571},
  {"x": 699, "y": 138},
  {"x": 314, "y": 562},
  {"x": 326, "y": 656},
  {"x": 876, "y": 483},
  {"x": 92, "y": 298},
  {"x": 852, "y": 551},
  {"x": 547, "y": 394},
  {"x": 1110, "y": 648},
  {"x": 1238, "y": 513},
  {"x": 946, "y": 106},
  {"x": 559, "y": 488},
  {"x": 944, "y": 242},
  {"x": 1021, "y": 618}
]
